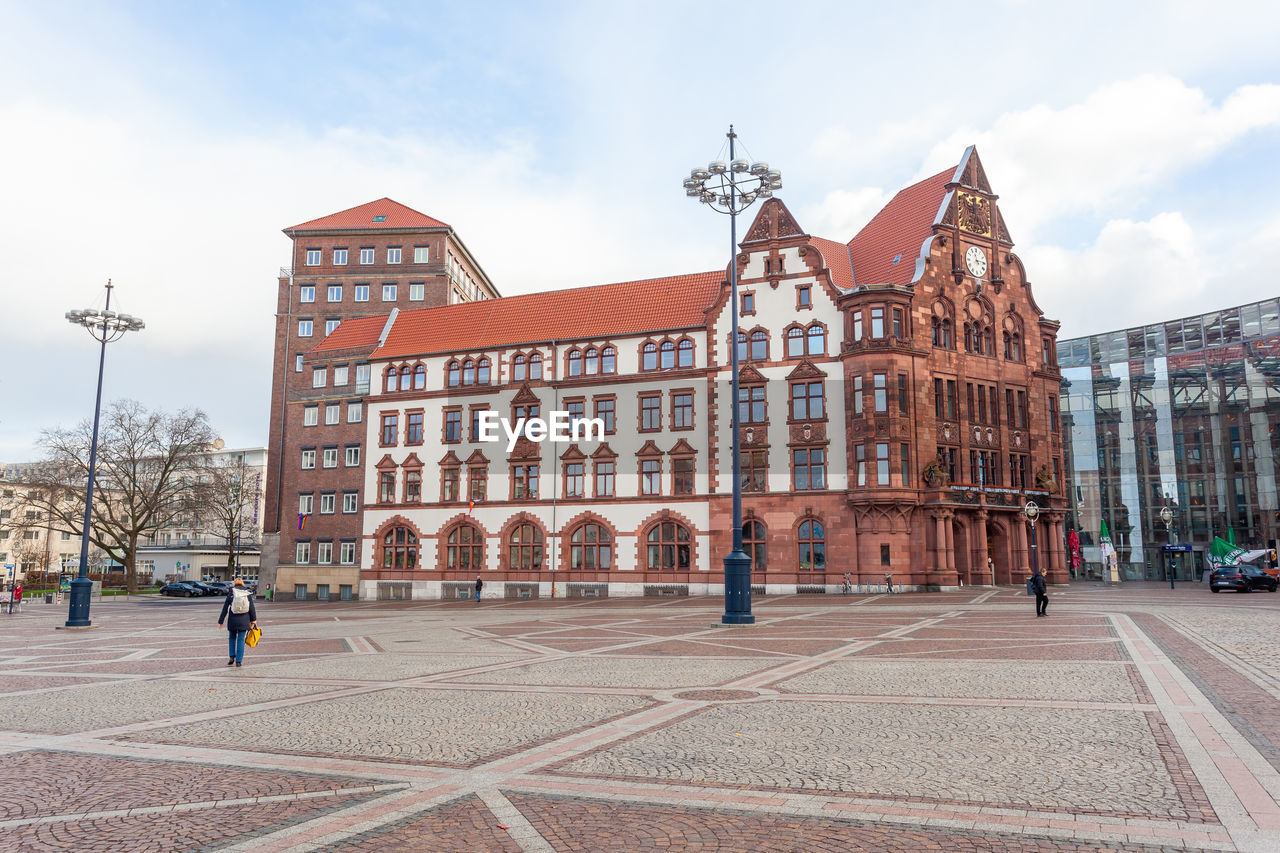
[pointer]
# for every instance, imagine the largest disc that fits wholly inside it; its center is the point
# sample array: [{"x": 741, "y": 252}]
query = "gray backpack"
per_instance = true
[{"x": 239, "y": 601}]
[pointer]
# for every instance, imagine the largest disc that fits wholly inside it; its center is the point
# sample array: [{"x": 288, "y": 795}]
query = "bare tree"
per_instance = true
[
  {"x": 145, "y": 460},
  {"x": 227, "y": 498}
]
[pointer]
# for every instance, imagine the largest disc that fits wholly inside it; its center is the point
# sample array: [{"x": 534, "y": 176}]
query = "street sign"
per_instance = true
[{"x": 1175, "y": 548}]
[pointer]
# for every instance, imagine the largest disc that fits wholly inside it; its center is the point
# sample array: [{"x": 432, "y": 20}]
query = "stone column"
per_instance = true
[
  {"x": 940, "y": 538},
  {"x": 1021, "y": 556},
  {"x": 981, "y": 575},
  {"x": 951, "y": 544}
]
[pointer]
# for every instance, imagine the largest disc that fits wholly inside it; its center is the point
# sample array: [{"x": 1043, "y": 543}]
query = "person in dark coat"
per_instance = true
[
  {"x": 479, "y": 586},
  {"x": 238, "y": 624},
  {"x": 1041, "y": 589}
]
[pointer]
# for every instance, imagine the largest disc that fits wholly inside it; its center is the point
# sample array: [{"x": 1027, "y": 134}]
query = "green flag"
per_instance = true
[
  {"x": 1104, "y": 543},
  {"x": 1223, "y": 553}
]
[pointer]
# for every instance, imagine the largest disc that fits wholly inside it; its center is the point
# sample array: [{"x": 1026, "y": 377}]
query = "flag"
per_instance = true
[
  {"x": 471, "y": 505},
  {"x": 1073, "y": 543},
  {"x": 302, "y": 520},
  {"x": 1108, "y": 552},
  {"x": 1231, "y": 536},
  {"x": 1222, "y": 554}
]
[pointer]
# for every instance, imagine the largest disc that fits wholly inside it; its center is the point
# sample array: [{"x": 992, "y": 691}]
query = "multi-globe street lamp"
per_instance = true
[
  {"x": 1166, "y": 515},
  {"x": 106, "y": 326},
  {"x": 1031, "y": 511},
  {"x": 731, "y": 188}
]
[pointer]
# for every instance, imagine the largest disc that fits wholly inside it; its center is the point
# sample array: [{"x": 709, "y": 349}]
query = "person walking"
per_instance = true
[
  {"x": 479, "y": 586},
  {"x": 242, "y": 616},
  {"x": 15, "y": 600},
  {"x": 1041, "y": 589},
  {"x": 888, "y": 582}
]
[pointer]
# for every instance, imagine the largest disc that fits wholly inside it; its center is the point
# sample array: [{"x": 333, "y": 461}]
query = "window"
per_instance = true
[
  {"x": 361, "y": 293},
  {"x": 609, "y": 360},
  {"x": 650, "y": 476},
  {"x": 882, "y": 464},
  {"x": 399, "y": 549},
  {"x": 297, "y": 366},
  {"x": 880, "y": 392},
  {"x": 803, "y": 298},
  {"x": 454, "y": 374},
  {"x": 575, "y": 363},
  {"x": 386, "y": 487},
  {"x": 390, "y": 429},
  {"x": 649, "y": 356},
  {"x": 464, "y": 548},
  {"x": 950, "y": 458},
  {"x": 942, "y": 332},
  {"x": 651, "y": 413},
  {"x": 413, "y": 486},
  {"x": 452, "y": 425},
  {"x": 684, "y": 354},
  {"x": 519, "y": 367},
  {"x": 350, "y": 502},
  {"x": 810, "y": 470},
  {"x": 310, "y": 415},
  {"x": 319, "y": 377},
  {"x": 393, "y": 254},
  {"x": 346, "y": 556},
  {"x": 1053, "y": 412},
  {"x": 759, "y": 345},
  {"x": 332, "y": 413},
  {"x": 751, "y": 407},
  {"x": 307, "y": 293},
  {"x": 897, "y": 324},
  {"x": 817, "y": 340},
  {"x": 366, "y": 254},
  {"x": 877, "y": 322},
  {"x": 682, "y": 410},
  {"x": 682, "y": 475},
  {"x": 806, "y": 401},
  {"x": 300, "y": 592},
  {"x": 327, "y": 501},
  {"x": 535, "y": 366},
  {"x": 412, "y": 428},
  {"x": 857, "y": 325},
  {"x": 477, "y": 482},
  {"x": 306, "y": 504},
  {"x": 308, "y": 459},
  {"x": 753, "y": 543},
  {"x": 304, "y": 328},
  {"x": 944, "y": 399},
  {"x": 667, "y": 355},
  {"x": 339, "y": 257},
  {"x": 330, "y": 457},
  {"x": 795, "y": 342},
  {"x": 417, "y": 291},
  {"x": 903, "y": 394},
  {"x": 421, "y": 254},
  {"x": 419, "y": 377},
  {"x": 313, "y": 257},
  {"x": 755, "y": 471},
  {"x": 604, "y": 479},
  {"x": 590, "y": 548},
  {"x": 524, "y": 482},
  {"x": 339, "y": 375},
  {"x": 330, "y": 325},
  {"x": 353, "y": 455},
  {"x": 576, "y": 410},
  {"x": 302, "y": 553},
  {"x": 860, "y": 455},
  {"x": 905, "y": 461},
  {"x": 335, "y": 293},
  {"x": 449, "y": 484},
  {"x": 475, "y": 421},
  {"x": 669, "y": 547},
  {"x": 524, "y": 548},
  {"x": 884, "y": 555},
  {"x": 605, "y": 411},
  {"x": 812, "y": 541},
  {"x": 388, "y": 293},
  {"x": 482, "y": 371},
  {"x": 748, "y": 303},
  {"x": 1019, "y": 463},
  {"x": 857, "y": 395},
  {"x": 574, "y": 475}
]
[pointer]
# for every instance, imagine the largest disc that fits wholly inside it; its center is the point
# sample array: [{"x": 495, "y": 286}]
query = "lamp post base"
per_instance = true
[
  {"x": 737, "y": 590},
  {"x": 78, "y": 615}
]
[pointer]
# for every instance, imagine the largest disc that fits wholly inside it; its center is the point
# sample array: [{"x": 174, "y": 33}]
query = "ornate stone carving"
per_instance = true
[{"x": 974, "y": 214}]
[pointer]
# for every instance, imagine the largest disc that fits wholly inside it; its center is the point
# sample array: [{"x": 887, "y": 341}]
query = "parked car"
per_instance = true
[
  {"x": 207, "y": 588},
  {"x": 1242, "y": 579},
  {"x": 182, "y": 589}
]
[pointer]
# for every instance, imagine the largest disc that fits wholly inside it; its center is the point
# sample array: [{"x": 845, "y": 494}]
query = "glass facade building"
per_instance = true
[{"x": 1181, "y": 414}]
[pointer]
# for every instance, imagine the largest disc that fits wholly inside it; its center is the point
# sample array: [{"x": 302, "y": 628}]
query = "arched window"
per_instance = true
[
  {"x": 399, "y": 549},
  {"x": 392, "y": 375},
  {"x": 988, "y": 341},
  {"x": 591, "y": 361},
  {"x": 464, "y": 548},
  {"x": 591, "y": 548},
  {"x": 519, "y": 366},
  {"x": 742, "y": 346},
  {"x": 759, "y": 345},
  {"x": 669, "y": 546},
  {"x": 795, "y": 342},
  {"x": 468, "y": 372},
  {"x": 668, "y": 359},
  {"x": 575, "y": 362},
  {"x": 684, "y": 354},
  {"x": 406, "y": 378},
  {"x": 817, "y": 340},
  {"x": 1013, "y": 346},
  {"x": 454, "y": 376},
  {"x": 813, "y": 546},
  {"x": 524, "y": 547},
  {"x": 535, "y": 366},
  {"x": 419, "y": 377},
  {"x": 608, "y": 360},
  {"x": 753, "y": 543},
  {"x": 482, "y": 371},
  {"x": 942, "y": 332},
  {"x": 649, "y": 356}
]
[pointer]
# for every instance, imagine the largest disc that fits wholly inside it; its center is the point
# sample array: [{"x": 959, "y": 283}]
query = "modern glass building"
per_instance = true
[{"x": 1181, "y": 414}]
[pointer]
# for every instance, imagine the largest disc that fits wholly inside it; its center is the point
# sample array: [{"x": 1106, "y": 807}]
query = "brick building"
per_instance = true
[
  {"x": 899, "y": 407},
  {"x": 367, "y": 261}
]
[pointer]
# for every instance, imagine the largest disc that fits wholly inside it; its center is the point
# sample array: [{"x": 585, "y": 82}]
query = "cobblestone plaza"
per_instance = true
[{"x": 1138, "y": 718}]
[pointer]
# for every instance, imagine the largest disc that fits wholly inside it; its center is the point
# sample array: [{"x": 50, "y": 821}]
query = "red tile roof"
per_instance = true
[
  {"x": 397, "y": 216},
  {"x": 898, "y": 230},
  {"x": 600, "y": 311},
  {"x": 835, "y": 256}
]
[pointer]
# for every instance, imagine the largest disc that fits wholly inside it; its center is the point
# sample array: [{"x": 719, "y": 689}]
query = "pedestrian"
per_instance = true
[
  {"x": 243, "y": 616},
  {"x": 888, "y": 582},
  {"x": 479, "y": 586},
  {"x": 1041, "y": 590},
  {"x": 15, "y": 601}
]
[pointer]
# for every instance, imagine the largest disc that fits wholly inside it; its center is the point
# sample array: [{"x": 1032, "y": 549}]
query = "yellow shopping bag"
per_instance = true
[{"x": 251, "y": 639}]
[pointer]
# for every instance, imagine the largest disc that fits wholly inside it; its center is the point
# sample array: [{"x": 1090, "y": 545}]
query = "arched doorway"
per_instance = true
[{"x": 998, "y": 552}]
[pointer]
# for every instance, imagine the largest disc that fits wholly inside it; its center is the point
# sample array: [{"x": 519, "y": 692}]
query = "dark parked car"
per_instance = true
[
  {"x": 184, "y": 589},
  {"x": 207, "y": 588},
  {"x": 1242, "y": 579}
]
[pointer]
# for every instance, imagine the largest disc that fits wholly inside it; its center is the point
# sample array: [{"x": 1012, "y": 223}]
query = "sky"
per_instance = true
[{"x": 165, "y": 145}]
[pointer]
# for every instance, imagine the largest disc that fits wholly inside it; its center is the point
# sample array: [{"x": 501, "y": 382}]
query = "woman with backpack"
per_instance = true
[{"x": 239, "y": 605}]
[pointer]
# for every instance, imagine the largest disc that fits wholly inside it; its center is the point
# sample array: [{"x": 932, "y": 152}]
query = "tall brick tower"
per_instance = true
[{"x": 364, "y": 262}]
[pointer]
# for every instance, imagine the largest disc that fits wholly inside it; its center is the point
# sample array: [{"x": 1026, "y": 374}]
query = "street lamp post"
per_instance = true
[
  {"x": 1032, "y": 512},
  {"x": 106, "y": 326},
  {"x": 1166, "y": 515},
  {"x": 731, "y": 188}
]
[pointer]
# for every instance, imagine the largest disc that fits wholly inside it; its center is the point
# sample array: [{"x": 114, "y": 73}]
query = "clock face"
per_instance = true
[{"x": 976, "y": 260}]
